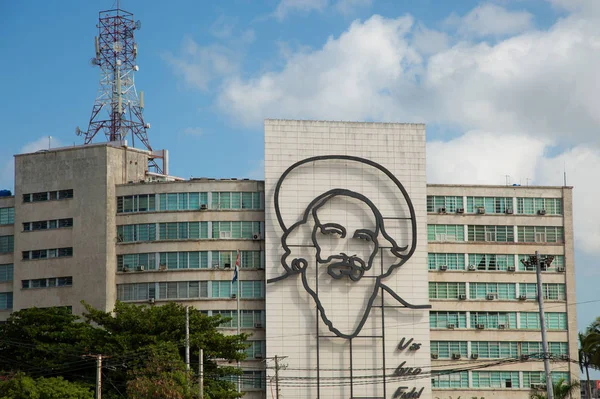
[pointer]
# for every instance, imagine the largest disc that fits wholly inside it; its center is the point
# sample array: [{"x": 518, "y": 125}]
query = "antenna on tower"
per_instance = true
[{"x": 118, "y": 110}]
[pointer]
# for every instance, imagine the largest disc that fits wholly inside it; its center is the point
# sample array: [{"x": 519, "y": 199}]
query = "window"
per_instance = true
[
  {"x": 248, "y": 259},
  {"x": 235, "y": 230},
  {"x": 7, "y": 216},
  {"x": 505, "y": 291},
  {"x": 48, "y": 196},
  {"x": 236, "y": 200},
  {"x": 48, "y": 224},
  {"x": 445, "y": 349},
  {"x": 252, "y": 289},
  {"x": 47, "y": 253},
  {"x": 535, "y": 348},
  {"x": 551, "y": 291},
  {"x": 494, "y": 320},
  {"x": 491, "y": 262},
  {"x": 6, "y": 273},
  {"x": 495, "y": 379},
  {"x": 256, "y": 350},
  {"x": 7, "y": 244},
  {"x": 444, "y": 319},
  {"x": 539, "y": 377},
  {"x": 531, "y": 206},
  {"x": 183, "y": 230},
  {"x": 540, "y": 234},
  {"x": 451, "y": 261},
  {"x": 495, "y": 350},
  {"x": 136, "y": 232},
  {"x": 489, "y": 204},
  {"x": 554, "y": 320},
  {"x": 442, "y": 290},
  {"x": 249, "y": 318},
  {"x": 253, "y": 380},
  {"x": 184, "y": 260},
  {"x": 47, "y": 282},
  {"x": 134, "y": 261},
  {"x": 445, "y": 232},
  {"x": 6, "y": 300},
  {"x": 451, "y": 380},
  {"x": 136, "y": 203},
  {"x": 449, "y": 203},
  {"x": 490, "y": 233},
  {"x": 557, "y": 262},
  {"x": 162, "y": 290}
]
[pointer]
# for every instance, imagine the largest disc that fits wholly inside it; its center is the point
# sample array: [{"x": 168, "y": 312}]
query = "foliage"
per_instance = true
[
  {"x": 561, "y": 388},
  {"x": 134, "y": 341},
  {"x": 20, "y": 386}
]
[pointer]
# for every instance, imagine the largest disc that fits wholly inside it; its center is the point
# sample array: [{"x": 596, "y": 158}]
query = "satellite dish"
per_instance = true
[
  {"x": 94, "y": 61},
  {"x": 78, "y": 131},
  {"x": 138, "y": 24},
  {"x": 117, "y": 46}
]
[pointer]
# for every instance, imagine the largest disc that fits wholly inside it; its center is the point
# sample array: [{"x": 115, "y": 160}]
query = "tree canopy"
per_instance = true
[{"x": 136, "y": 342}]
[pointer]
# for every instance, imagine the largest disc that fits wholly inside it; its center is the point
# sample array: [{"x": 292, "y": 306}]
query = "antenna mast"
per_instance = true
[{"x": 116, "y": 53}]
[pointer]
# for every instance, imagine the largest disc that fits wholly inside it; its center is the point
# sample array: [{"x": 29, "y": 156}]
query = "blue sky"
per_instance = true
[{"x": 506, "y": 87}]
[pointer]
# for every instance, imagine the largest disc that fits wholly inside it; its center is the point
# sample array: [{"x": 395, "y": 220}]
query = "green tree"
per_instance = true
[
  {"x": 20, "y": 386},
  {"x": 561, "y": 388},
  {"x": 585, "y": 363},
  {"x": 590, "y": 343}
]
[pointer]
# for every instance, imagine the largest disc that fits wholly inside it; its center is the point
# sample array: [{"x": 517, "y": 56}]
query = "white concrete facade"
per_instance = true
[{"x": 321, "y": 363}]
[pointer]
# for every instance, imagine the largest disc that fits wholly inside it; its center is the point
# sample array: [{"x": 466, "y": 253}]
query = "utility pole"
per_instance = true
[
  {"x": 201, "y": 375},
  {"x": 187, "y": 338},
  {"x": 538, "y": 271},
  {"x": 276, "y": 376},
  {"x": 99, "y": 377}
]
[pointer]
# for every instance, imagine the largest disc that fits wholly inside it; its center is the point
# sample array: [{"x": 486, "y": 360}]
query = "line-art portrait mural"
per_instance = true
[{"x": 342, "y": 246}]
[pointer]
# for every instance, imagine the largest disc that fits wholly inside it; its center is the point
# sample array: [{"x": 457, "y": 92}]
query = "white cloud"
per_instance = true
[
  {"x": 491, "y": 20},
  {"x": 347, "y": 7},
  {"x": 427, "y": 41},
  {"x": 285, "y": 7},
  {"x": 223, "y": 27}
]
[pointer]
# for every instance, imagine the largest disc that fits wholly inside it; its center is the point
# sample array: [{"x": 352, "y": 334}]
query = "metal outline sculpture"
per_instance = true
[{"x": 299, "y": 265}]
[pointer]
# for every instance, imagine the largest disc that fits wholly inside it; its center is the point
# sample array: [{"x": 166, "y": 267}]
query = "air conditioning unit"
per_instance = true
[
  {"x": 125, "y": 269},
  {"x": 511, "y": 268},
  {"x": 501, "y": 326},
  {"x": 456, "y": 356},
  {"x": 541, "y": 212},
  {"x": 233, "y": 296},
  {"x": 258, "y": 325},
  {"x": 522, "y": 297},
  {"x": 258, "y": 356},
  {"x": 203, "y": 207},
  {"x": 471, "y": 267},
  {"x": 151, "y": 301},
  {"x": 480, "y": 326},
  {"x": 509, "y": 211},
  {"x": 490, "y": 297},
  {"x": 451, "y": 326},
  {"x": 443, "y": 267},
  {"x": 141, "y": 268},
  {"x": 216, "y": 266},
  {"x": 435, "y": 356},
  {"x": 462, "y": 297},
  {"x": 227, "y": 266},
  {"x": 442, "y": 210},
  {"x": 481, "y": 210},
  {"x": 474, "y": 355},
  {"x": 256, "y": 236},
  {"x": 460, "y": 210},
  {"x": 560, "y": 269}
]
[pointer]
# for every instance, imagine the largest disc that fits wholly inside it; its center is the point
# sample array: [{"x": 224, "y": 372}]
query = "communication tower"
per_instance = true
[{"x": 118, "y": 109}]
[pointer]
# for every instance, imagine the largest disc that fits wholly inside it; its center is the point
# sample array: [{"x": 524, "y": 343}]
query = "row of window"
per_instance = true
[
  {"x": 188, "y": 201},
  {"x": 48, "y": 196},
  {"x": 491, "y": 291},
  {"x": 479, "y": 233},
  {"x": 494, "y": 379},
  {"x": 7, "y": 216},
  {"x": 494, "y": 205},
  {"x": 6, "y": 300},
  {"x": 486, "y": 262},
  {"x": 188, "y": 230},
  {"x": 48, "y": 224},
  {"x": 7, "y": 244},
  {"x": 47, "y": 282},
  {"x": 497, "y": 320},
  {"x": 248, "y": 318},
  {"x": 249, "y": 289},
  {"x": 250, "y": 380},
  {"x": 189, "y": 260},
  {"x": 6, "y": 273},
  {"x": 47, "y": 253},
  {"x": 493, "y": 349}
]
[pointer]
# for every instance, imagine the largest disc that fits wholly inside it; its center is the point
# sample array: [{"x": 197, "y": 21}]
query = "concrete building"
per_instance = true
[{"x": 89, "y": 223}]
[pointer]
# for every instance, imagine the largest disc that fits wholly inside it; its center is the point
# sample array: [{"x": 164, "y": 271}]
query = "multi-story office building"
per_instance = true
[{"x": 90, "y": 223}]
